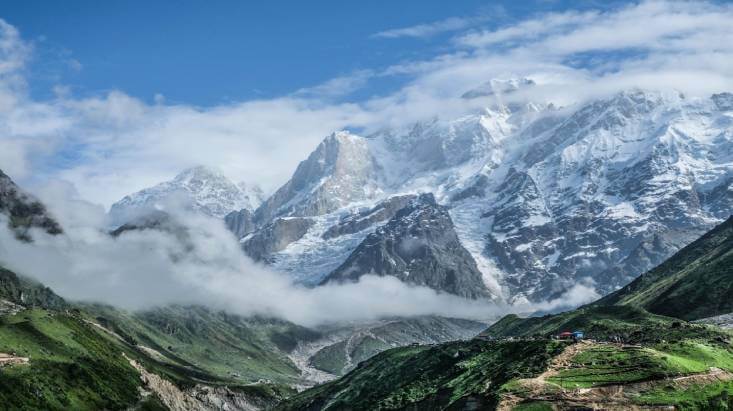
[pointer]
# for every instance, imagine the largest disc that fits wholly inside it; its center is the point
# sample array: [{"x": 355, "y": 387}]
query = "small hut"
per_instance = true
[{"x": 565, "y": 335}]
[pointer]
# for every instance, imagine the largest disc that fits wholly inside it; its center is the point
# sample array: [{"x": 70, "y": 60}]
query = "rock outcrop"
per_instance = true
[{"x": 419, "y": 246}]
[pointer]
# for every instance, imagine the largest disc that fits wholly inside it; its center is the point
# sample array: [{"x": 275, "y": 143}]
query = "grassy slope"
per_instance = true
[
  {"x": 649, "y": 372},
  {"x": 75, "y": 365},
  {"x": 613, "y": 364},
  {"x": 478, "y": 373},
  {"x": 451, "y": 375},
  {"x": 696, "y": 282},
  {"x": 71, "y": 366},
  {"x": 227, "y": 346},
  {"x": 632, "y": 324},
  {"x": 714, "y": 396},
  {"x": 667, "y": 347}
]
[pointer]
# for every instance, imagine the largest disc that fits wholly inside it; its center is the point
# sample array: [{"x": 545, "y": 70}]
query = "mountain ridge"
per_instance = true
[
  {"x": 542, "y": 197},
  {"x": 695, "y": 283}
]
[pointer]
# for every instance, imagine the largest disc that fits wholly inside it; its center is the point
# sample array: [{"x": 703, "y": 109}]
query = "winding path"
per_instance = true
[{"x": 8, "y": 359}]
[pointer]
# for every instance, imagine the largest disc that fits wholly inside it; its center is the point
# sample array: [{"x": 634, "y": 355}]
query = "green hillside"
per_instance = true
[
  {"x": 59, "y": 356},
  {"x": 633, "y": 358},
  {"x": 451, "y": 375},
  {"x": 515, "y": 364},
  {"x": 696, "y": 282},
  {"x": 630, "y": 324},
  {"x": 71, "y": 366},
  {"x": 364, "y": 342},
  {"x": 227, "y": 346}
]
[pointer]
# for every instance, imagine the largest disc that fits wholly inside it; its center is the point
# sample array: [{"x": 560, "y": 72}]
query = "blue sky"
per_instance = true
[
  {"x": 251, "y": 88},
  {"x": 209, "y": 53}
]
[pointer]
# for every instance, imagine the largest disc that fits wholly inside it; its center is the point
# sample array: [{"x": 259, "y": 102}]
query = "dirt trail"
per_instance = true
[
  {"x": 563, "y": 360},
  {"x": 609, "y": 397},
  {"x": 539, "y": 385},
  {"x": 8, "y": 359},
  {"x": 105, "y": 329}
]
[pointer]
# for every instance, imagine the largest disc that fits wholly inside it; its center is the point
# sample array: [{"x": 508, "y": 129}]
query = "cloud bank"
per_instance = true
[
  {"x": 205, "y": 265},
  {"x": 112, "y": 144}
]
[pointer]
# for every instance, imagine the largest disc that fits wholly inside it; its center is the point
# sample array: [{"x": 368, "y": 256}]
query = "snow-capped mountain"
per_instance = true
[
  {"x": 541, "y": 197},
  {"x": 203, "y": 189},
  {"x": 339, "y": 172}
]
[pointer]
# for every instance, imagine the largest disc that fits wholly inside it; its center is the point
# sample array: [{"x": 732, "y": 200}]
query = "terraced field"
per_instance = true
[{"x": 617, "y": 376}]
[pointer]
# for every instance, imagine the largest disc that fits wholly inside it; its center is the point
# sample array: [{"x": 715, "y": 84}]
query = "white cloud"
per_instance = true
[
  {"x": 583, "y": 292},
  {"x": 430, "y": 29},
  {"x": 527, "y": 30},
  {"x": 112, "y": 144},
  {"x": 337, "y": 87},
  {"x": 652, "y": 26},
  {"x": 13, "y": 51},
  {"x": 145, "y": 268}
]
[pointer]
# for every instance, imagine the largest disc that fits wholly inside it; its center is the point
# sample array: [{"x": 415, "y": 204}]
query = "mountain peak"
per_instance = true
[
  {"x": 343, "y": 135},
  {"x": 339, "y": 171},
  {"x": 198, "y": 173},
  {"x": 498, "y": 87},
  {"x": 203, "y": 189}
]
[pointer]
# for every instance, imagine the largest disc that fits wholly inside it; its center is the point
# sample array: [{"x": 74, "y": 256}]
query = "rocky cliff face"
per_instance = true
[
  {"x": 25, "y": 292},
  {"x": 275, "y": 236},
  {"x": 240, "y": 222},
  {"x": 363, "y": 219},
  {"x": 199, "y": 397},
  {"x": 418, "y": 246},
  {"x": 23, "y": 210},
  {"x": 610, "y": 192}
]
